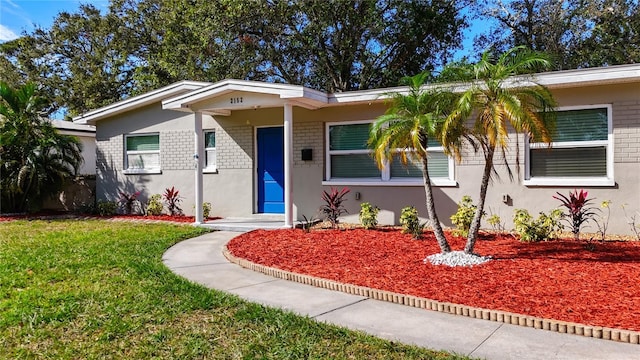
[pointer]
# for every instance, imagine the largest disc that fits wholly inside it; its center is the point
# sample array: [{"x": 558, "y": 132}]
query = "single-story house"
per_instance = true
[{"x": 252, "y": 147}]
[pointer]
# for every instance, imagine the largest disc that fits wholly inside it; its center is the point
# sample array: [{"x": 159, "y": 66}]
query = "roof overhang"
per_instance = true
[
  {"x": 226, "y": 96},
  {"x": 553, "y": 80},
  {"x": 223, "y": 97},
  {"x": 70, "y": 128},
  {"x": 135, "y": 102}
]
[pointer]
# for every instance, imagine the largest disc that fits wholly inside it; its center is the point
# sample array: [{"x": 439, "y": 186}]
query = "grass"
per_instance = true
[{"x": 97, "y": 289}]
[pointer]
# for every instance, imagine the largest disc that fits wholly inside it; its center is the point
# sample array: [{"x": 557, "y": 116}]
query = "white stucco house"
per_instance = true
[{"x": 252, "y": 147}]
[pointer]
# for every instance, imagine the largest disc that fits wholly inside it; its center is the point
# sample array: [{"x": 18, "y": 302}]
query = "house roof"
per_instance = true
[
  {"x": 71, "y": 128},
  {"x": 188, "y": 95},
  {"x": 138, "y": 101}
]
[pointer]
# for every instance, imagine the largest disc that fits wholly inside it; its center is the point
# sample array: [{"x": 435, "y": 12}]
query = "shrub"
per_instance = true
[
  {"x": 154, "y": 205},
  {"x": 333, "y": 207},
  {"x": 206, "y": 210},
  {"x": 307, "y": 223},
  {"x": 128, "y": 201},
  {"x": 603, "y": 224},
  {"x": 496, "y": 223},
  {"x": 107, "y": 208},
  {"x": 464, "y": 216},
  {"x": 410, "y": 222},
  {"x": 368, "y": 215},
  {"x": 579, "y": 210},
  {"x": 171, "y": 199},
  {"x": 632, "y": 220},
  {"x": 542, "y": 228}
]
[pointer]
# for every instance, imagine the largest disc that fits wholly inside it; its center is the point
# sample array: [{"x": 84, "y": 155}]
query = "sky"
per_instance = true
[{"x": 18, "y": 16}]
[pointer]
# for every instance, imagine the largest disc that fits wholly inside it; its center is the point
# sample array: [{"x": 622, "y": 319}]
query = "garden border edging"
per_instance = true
[{"x": 598, "y": 332}]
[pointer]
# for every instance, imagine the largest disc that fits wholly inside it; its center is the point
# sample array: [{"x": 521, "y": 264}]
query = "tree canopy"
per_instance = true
[
  {"x": 92, "y": 58},
  {"x": 89, "y": 59},
  {"x": 576, "y": 33}
]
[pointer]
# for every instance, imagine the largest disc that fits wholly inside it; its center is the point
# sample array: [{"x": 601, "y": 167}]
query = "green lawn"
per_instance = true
[{"x": 96, "y": 289}]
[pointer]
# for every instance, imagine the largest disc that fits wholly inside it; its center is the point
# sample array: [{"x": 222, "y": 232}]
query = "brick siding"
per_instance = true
[
  {"x": 234, "y": 147},
  {"x": 626, "y": 132},
  {"x": 109, "y": 154},
  {"x": 176, "y": 150},
  {"x": 308, "y": 136}
]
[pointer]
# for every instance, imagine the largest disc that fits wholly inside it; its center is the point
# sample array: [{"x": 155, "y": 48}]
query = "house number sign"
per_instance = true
[{"x": 236, "y": 100}]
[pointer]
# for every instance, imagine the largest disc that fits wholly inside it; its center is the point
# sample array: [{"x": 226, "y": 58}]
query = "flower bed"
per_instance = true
[{"x": 559, "y": 280}]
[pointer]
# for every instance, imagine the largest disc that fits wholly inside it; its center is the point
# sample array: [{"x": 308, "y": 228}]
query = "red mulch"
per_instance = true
[{"x": 556, "y": 280}]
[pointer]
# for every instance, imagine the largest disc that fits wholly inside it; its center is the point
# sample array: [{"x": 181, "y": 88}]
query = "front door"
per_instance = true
[{"x": 270, "y": 179}]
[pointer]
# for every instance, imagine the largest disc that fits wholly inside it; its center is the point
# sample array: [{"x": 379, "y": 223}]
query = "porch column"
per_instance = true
[
  {"x": 288, "y": 165},
  {"x": 198, "y": 158}
]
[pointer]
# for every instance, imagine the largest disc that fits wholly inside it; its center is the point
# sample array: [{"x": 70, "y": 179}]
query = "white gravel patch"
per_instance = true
[{"x": 456, "y": 258}]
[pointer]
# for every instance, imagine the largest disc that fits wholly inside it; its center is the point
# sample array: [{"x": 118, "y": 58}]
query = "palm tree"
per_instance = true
[
  {"x": 499, "y": 94},
  {"x": 35, "y": 160},
  {"x": 404, "y": 130}
]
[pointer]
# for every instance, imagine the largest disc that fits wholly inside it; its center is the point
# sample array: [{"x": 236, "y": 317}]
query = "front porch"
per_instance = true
[{"x": 244, "y": 224}]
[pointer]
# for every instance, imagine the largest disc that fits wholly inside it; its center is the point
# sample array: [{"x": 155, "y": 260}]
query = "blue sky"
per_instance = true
[{"x": 17, "y": 16}]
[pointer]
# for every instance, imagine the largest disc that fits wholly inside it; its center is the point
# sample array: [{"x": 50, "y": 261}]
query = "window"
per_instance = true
[
  {"x": 581, "y": 153},
  {"x": 210, "y": 151},
  {"x": 350, "y": 161},
  {"x": 142, "y": 153}
]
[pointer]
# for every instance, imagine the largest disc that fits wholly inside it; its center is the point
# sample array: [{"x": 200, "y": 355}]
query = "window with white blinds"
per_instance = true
[
  {"x": 350, "y": 159},
  {"x": 210, "y": 151},
  {"x": 142, "y": 153},
  {"x": 581, "y": 151}
]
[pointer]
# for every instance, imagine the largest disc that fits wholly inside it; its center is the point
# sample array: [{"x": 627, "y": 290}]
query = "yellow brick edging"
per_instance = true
[{"x": 598, "y": 332}]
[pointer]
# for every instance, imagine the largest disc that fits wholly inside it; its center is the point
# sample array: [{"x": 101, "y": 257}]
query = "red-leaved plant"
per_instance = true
[
  {"x": 128, "y": 201},
  {"x": 333, "y": 208},
  {"x": 579, "y": 210},
  {"x": 171, "y": 199}
]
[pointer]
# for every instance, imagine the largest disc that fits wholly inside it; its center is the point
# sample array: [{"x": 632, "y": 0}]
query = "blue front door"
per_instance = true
[{"x": 270, "y": 170}]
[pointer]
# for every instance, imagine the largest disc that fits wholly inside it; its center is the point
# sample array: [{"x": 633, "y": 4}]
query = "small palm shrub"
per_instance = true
[
  {"x": 464, "y": 216},
  {"x": 307, "y": 223},
  {"x": 368, "y": 215},
  {"x": 534, "y": 230},
  {"x": 172, "y": 199},
  {"x": 333, "y": 206},
  {"x": 579, "y": 210},
  {"x": 107, "y": 208},
  {"x": 410, "y": 222},
  {"x": 154, "y": 205}
]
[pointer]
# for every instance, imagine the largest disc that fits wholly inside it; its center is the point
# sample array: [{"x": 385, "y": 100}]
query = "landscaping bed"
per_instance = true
[{"x": 594, "y": 284}]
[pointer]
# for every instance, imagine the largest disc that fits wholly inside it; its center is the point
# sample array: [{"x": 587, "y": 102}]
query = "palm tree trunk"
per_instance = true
[
  {"x": 431, "y": 210},
  {"x": 475, "y": 224}
]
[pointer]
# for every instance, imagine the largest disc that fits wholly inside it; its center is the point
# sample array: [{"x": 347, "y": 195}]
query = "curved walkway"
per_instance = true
[{"x": 201, "y": 260}]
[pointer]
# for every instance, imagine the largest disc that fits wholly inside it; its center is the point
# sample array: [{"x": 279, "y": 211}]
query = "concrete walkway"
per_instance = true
[{"x": 200, "y": 260}]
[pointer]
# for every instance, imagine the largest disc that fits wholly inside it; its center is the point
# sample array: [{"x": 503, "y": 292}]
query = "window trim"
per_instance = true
[
  {"x": 385, "y": 178},
  {"x": 209, "y": 169},
  {"x": 127, "y": 170},
  {"x": 608, "y": 144}
]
